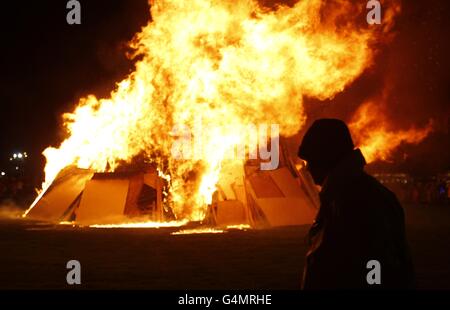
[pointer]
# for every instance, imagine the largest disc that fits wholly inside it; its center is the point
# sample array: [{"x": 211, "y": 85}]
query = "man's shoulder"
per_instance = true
[
  {"x": 379, "y": 188},
  {"x": 367, "y": 188}
]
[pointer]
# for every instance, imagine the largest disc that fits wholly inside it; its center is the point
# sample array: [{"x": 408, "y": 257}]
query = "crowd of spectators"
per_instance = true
[{"x": 425, "y": 191}]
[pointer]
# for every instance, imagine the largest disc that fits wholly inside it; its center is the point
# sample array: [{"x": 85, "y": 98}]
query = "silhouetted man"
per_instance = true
[{"x": 359, "y": 219}]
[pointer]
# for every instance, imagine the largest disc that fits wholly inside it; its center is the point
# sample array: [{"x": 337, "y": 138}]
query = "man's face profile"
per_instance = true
[{"x": 317, "y": 171}]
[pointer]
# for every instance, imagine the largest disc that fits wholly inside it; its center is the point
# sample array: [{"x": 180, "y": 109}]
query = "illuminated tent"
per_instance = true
[
  {"x": 100, "y": 198},
  {"x": 280, "y": 197},
  {"x": 285, "y": 196}
]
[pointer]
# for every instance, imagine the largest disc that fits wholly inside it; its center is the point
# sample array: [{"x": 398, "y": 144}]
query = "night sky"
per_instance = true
[{"x": 46, "y": 65}]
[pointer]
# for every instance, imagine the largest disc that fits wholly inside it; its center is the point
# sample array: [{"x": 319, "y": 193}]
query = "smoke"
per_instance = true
[{"x": 10, "y": 210}]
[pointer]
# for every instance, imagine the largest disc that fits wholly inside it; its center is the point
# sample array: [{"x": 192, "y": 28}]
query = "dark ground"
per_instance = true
[{"x": 34, "y": 255}]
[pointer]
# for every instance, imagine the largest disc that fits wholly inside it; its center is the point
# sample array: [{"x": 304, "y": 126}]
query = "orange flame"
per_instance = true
[
  {"x": 374, "y": 135},
  {"x": 227, "y": 62},
  {"x": 147, "y": 224},
  {"x": 199, "y": 231}
]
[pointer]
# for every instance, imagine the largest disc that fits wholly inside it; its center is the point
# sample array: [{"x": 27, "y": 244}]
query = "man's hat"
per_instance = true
[{"x": 327, "y": 140}]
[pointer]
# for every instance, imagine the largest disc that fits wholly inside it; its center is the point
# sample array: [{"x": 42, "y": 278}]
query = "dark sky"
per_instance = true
[
  {"x": 415, "y": 66},
  {"x": 46, "y": 65}
]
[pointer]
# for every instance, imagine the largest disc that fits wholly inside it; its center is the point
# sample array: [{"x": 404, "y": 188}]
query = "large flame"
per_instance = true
[
  {"x": 374, "y": 135},
  {"x": 227, "y": 63}
]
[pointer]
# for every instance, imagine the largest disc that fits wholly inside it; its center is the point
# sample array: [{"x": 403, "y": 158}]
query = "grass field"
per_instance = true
[{"x": 34, "y": 255}]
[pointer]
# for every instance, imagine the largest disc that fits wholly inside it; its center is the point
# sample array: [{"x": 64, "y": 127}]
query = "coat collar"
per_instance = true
[{"x": 348, "y": 168}]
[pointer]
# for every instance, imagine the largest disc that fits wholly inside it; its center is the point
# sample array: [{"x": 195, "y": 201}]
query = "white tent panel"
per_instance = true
[
  {"x": 288, "y": 185},
  {"x": 230, "y": 212},
  {"x": 103, "y": 202},
  {"x": 286, "y": 211},
  {"x": 60, "y": 195}
]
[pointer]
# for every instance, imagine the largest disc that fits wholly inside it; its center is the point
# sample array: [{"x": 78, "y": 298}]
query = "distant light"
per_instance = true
[
  {"x": 19, "y": 155},
  {"x": 15, "y": 155},
  {"x": 17, "y": 168},
  {"x": 3, "y": 174},
  {"x": 10, "y": 158}
]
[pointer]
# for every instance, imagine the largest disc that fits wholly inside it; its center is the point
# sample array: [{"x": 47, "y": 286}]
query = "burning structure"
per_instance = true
[
  {"x": 230, "y": 64},
  {"x": 283, "y": 196}
]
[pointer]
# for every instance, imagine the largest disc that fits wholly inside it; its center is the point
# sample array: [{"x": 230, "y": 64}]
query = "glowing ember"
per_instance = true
[
  {"x": 40, "y": 194},
  {"x": 374, "y": 135},
  {"x": 239, "y": 227},
  {"x": 68, "y": 223},
  {"x": 225, "y": 63},
  {"x": 142, "y": 225},
  {"x": 198, "y": 231}
]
